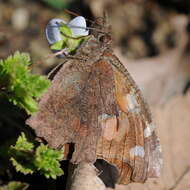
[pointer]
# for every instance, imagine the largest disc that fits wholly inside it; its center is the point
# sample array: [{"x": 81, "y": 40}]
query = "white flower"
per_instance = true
[{"x": 77, "y": 25}]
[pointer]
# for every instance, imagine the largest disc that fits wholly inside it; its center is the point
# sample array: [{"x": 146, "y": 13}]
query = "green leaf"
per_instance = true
[
  {"x": 72, "y": 44},
  {"x": 27, "y": 158},
  {"x": 18, "y": 85},
  {"x": 22, "y": 144},
  {"x": 14, "y": 185},
  {"x": 22, "y": 155},
  {"x": 47, "y": 161},
  {"x": 61, "y": 44},
  {"x": 57, "y": 45},
  {"x": 69, "y": 41},
  {"x": 23, "y": 168},
  {"x": 64, "y": 29}
]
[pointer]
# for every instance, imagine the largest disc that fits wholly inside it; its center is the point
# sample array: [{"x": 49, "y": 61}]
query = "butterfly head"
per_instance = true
[{"x": 101, "y": 30}]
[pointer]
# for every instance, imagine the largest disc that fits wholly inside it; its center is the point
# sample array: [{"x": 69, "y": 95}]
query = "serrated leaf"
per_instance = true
[
  {"x": 26, "y": 158},
  {"x": 20, "y": 86},
  {"x": 47, "y": 161},
  {"x": 22, "y": 144},
  {"x": 23, "y": 168},
  {"x": 14, "y": 185},
  {"x": 22, "y": 155}
]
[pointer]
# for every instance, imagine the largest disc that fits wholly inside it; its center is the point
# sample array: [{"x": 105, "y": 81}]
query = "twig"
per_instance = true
[
  {"x": 179, "y": 179},
  {"x": 84, "y": 177}
]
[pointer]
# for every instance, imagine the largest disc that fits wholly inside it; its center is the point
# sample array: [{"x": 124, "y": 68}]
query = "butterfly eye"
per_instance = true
[
  {"x": 101, "y": 38},
  {"x": 105, "y": 38}
]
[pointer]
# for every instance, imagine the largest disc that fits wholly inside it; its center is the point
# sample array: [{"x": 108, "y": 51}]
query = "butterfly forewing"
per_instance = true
[{"x": 69, "y": 111}]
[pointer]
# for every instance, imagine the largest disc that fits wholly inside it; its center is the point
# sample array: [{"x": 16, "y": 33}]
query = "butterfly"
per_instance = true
[{"x": 95, "y": 105}]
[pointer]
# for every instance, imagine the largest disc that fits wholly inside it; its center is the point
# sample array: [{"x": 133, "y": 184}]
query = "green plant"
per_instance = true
[
  {"x": 14, "y": 185},
  {"x": 22, "y": 88},
  {"x": 18, "y": 85},
  {"x": 28, "y": 158}
]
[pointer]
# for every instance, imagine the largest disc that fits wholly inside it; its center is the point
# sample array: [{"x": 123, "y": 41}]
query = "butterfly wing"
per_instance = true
[
  {"x": 69, "y": 111},
  {"x": 96, "y": 105},
  {"x": 128, "y": 140}
]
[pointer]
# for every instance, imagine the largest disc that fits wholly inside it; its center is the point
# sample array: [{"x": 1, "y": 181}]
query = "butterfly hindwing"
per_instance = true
[{"x": 133, "y": 141}]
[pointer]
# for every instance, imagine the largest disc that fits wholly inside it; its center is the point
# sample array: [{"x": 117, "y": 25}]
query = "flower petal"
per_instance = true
[
  {"x": 52, "y": 30},
  {"x": 78, "y": 26}
]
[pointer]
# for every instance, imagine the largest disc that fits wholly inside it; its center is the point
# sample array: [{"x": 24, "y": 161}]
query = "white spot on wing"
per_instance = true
[
  {"x": 137, "y": 151},
  {"x": 149, "y": 129},
  {"x": 155, "y": 162},
  {"x": 104, "y": 116},
  {"x": 132, "y": 103},
  {"x": 159, "y": 148}
]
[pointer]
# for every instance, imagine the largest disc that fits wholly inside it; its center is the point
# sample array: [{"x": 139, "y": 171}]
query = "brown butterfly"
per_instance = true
[{"x": 94, "y": 103}]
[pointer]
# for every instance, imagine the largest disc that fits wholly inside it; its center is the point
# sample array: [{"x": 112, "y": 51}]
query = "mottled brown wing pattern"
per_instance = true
[
  {"x": 81, "y": 91},
  {"x": 128, "y": 140},
  {"x": 94, "y": 103}
]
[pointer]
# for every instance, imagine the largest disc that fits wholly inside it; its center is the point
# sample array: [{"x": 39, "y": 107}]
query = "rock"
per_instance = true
[{"x": 20, "y": 19}]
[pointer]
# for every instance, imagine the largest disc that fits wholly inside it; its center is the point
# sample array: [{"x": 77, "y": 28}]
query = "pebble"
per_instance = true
[{"x": 20, "y": 19}]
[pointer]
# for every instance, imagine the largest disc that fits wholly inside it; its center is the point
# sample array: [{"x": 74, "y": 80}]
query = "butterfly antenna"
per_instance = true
[
  {"x": 71, "y": 12},
  {"x": 73, "y": 26},
  {"x": 91, "y": 28},
  {"x": 75, "y": 14}
]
